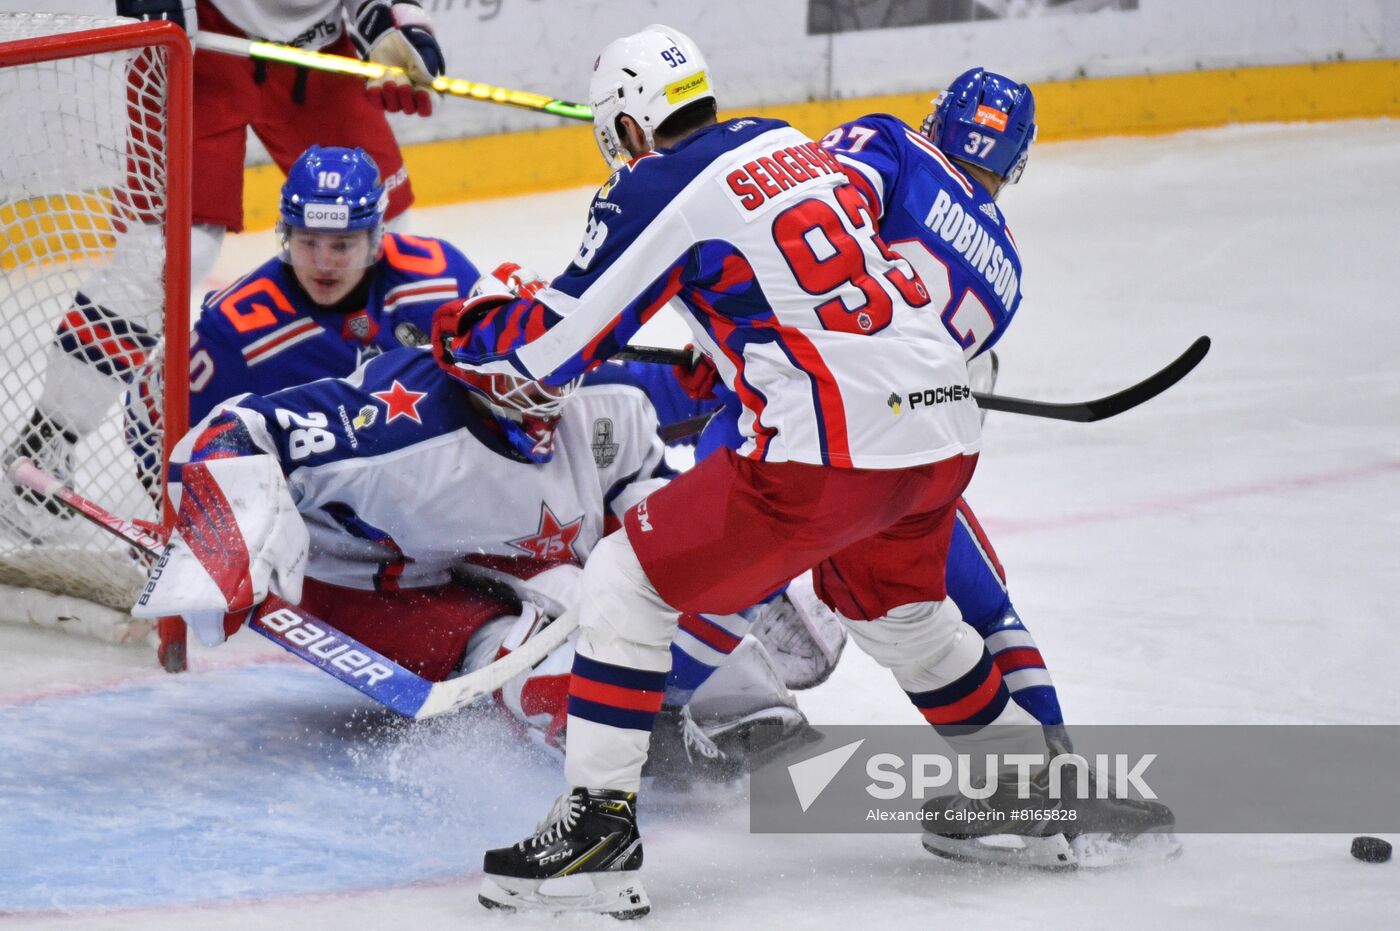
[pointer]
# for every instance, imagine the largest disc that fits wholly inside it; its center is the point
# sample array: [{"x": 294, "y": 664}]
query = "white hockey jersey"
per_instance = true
[
  {"x": 310, "y": 24},
  {"x": 831, "y": 341},
  {"x": 400, "y": 478}
]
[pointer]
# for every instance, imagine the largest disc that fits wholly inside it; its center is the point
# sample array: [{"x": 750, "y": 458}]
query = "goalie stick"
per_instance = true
[
  {"x": 343, "y": 64},
  {"x": 307, "y": 636},
  {"x": 1077, "y": 411}
]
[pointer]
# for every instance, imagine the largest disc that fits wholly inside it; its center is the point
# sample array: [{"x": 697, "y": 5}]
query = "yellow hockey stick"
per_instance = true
[{"x": 341, "y": 64}]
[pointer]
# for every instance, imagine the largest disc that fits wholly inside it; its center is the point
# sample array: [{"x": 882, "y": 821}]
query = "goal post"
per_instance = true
[{"x": 95, "y": 177}]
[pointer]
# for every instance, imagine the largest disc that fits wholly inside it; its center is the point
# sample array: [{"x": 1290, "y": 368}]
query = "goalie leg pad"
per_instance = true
[{"x": 804, "y": 637}]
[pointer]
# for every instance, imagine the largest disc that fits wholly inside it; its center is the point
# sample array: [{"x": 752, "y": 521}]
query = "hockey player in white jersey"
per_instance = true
[
  {"x": 408, "y": 488},
  {"x": 755, "y": 230}
]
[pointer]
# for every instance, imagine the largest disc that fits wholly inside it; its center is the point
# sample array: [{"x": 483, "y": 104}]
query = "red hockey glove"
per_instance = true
[
  {"x": 455, "y": 319},
  {"x": 399, "y": 35},
  {"x": 699, "y": 379}
]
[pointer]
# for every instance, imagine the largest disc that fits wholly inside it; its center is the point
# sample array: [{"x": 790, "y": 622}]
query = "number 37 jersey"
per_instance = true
[
  {"x": 944, "y": 224},
  {"x": 757, "y": 234}
]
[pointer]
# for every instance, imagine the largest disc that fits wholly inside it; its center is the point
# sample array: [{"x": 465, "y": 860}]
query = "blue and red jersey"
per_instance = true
[{"x": 262, "y": 333}]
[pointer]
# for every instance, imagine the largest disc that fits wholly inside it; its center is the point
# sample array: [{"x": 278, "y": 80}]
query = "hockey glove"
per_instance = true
[
  {"x": 238, "y": 536},
  {"x": 179, "y": 12},
  {"x": 698, "y": 380},
  {"x": 399, "y": 35},
  {"x": 455, "y": 319}
]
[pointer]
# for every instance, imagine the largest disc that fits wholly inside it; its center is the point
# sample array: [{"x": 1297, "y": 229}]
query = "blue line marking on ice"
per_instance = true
[{"x": 248, "y": 783}]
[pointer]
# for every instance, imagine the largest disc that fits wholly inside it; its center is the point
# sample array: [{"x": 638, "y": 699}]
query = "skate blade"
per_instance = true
[
  {"x": 1042, "y": 853},
  {"x": 1106, "y": 851},
  {"x": 618, "y": 894}
]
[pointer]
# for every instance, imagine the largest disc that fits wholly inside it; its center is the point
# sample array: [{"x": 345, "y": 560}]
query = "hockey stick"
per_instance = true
[
  {"x": 1077, "y": 411},
  {"x": 343, "y": 64},
  {"x": 307, "y": 636}
]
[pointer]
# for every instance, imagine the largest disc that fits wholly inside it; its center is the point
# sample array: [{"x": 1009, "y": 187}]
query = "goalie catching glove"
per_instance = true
[
  {"x": 238, "y": 536},
  {"x": 399, "y": 35}
]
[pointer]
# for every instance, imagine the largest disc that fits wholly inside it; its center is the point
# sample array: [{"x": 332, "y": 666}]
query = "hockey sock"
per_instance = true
[
  {"x": 1015, "y": 653},
  {"x": 703, "y": 643}
]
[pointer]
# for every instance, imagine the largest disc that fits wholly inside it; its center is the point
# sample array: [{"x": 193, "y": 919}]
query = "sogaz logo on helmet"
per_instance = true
[{"x": 327, "y": 216}]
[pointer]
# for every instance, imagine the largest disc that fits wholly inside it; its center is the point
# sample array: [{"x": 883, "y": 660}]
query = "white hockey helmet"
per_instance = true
[{"x": 648, "y": 75}]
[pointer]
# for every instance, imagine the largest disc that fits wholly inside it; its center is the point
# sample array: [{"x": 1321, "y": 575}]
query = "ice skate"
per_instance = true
[
  {"x": 1043, "y": 832},
  {"x": 584, "y": 857}
]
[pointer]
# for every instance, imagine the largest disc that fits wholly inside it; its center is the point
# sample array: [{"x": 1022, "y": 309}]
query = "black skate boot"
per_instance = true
[
  {"x": 1048, "y": 832},
  {"x": 584, "y": 856}
]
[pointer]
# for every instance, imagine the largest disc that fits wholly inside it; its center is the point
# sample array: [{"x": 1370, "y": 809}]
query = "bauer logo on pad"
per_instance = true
[{"x": 327, "y": 216}]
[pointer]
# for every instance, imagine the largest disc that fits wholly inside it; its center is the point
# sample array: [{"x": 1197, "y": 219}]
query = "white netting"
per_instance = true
[{"x": 83, "y": 168}]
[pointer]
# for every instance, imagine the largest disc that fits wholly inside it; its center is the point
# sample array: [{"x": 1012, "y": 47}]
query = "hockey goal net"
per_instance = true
[{"x": 94, "y": 301}]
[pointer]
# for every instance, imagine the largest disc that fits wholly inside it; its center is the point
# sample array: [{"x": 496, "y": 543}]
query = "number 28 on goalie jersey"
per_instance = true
[
  {"x": 943, "y": 223},
  {"x": 757, "y": 234}
]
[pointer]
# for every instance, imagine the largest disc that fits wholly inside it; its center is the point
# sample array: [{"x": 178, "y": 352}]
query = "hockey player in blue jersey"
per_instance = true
[{"x": 340, "y": 291}]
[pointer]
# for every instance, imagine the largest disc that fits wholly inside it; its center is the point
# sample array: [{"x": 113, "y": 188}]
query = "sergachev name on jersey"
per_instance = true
[
  {"x": 967, "y": 235},
  {"x": 770, "y": 175}
]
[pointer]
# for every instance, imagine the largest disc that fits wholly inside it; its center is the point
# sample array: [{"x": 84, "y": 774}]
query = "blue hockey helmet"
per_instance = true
[
  {"x": 985, "y": 119},
  {"x": 335, "y": 190}
]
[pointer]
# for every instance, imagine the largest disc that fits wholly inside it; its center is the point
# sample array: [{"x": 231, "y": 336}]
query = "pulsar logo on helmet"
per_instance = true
[
  {"x": 327, "y": 216},
  {"x": 604, "y": 449},
  {"x": 893, "y": 402},
  {"x": 990, "y": 116},
  {"x": 687, "y": 88}
]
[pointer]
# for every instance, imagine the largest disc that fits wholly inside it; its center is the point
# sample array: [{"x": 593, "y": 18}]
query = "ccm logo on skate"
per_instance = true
[{"x": 322, "y": 645}]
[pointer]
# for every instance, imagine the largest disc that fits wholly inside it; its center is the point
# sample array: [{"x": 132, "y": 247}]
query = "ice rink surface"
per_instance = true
[{"x": 1227, "y": 553}]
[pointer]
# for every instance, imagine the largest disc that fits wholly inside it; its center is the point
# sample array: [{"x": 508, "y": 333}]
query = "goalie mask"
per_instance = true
[
  {"x": 984, "y": 119},
  {"x": 332, "y": 210},
  {"x": 648, "y": 76},
  {"x": 527, "y": 411}
]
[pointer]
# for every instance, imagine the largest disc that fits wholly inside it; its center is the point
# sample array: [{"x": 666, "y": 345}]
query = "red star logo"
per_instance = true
[
  {"x": 552, "y": 541},
  {"x": 401, "y": 402}
]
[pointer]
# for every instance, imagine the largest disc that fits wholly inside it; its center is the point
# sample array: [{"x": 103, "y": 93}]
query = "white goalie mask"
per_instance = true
[
  {"x": 648, "y": 75},
  {"x": 527, "y": 411}
]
